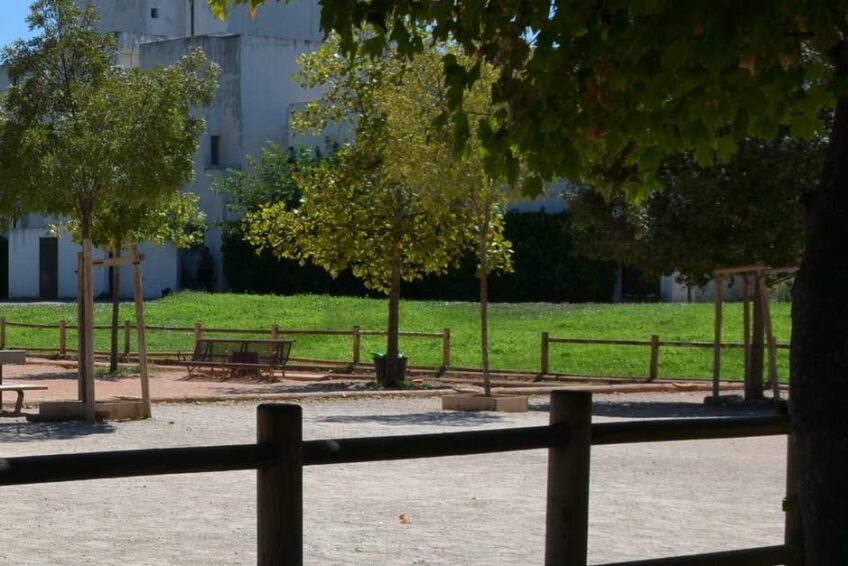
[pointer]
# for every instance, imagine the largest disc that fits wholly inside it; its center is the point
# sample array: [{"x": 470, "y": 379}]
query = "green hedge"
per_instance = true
[{"x": 546, "y": 269}]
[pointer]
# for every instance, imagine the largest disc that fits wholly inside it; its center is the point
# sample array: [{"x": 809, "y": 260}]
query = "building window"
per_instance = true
[
  {"x": 154, "y": 13},
  {"x": 215, "y": 151}
]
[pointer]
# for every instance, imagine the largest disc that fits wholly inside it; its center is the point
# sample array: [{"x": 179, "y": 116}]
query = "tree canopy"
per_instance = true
[
  {"x": 739, "y": 213},
  {"x": 81, "y": 136}
]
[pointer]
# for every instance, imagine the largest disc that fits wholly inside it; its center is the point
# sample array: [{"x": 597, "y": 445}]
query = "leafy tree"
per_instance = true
[
  {"x": 82, "y": 138},
  {"x": 737, "y": 213},
  {"x": 380, "y": 207},
  {"x": 267, "y": 178},
  {"x": 603, "y": 91},
  {"x": 422, "y": 152}
]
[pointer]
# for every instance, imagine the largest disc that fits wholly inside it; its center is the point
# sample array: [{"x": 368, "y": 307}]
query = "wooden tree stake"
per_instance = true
[
  {"x": 142, "y": 339},
  {"x": 719, "y": 292}
]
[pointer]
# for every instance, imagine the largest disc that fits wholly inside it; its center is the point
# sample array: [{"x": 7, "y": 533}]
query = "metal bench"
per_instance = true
[{"x": 239, "y": 357}]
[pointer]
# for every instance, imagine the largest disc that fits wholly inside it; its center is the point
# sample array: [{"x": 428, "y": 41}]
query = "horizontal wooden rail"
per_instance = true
[
  {"x": 763, "y": 556},
  {"x": 129, "y": 463},
  {"x": 381, "y": 448},
  {"x": 664, "y": 430},
  {"x": 32, "y": 325},
  {"x": 403, "y": 334}
]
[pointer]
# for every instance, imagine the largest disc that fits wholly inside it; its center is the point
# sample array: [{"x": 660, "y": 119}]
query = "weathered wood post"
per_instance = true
[
  {"x": 546, "y": 360},
  {"x": 567, "y": 534},
  {"x": 275, "y": 331},
  {"x": 138, "y": 292},
  {"x": 127, "y": 337},
  {"x": 356, "y": 335},
  {"x": 769, "y": 330},
  {"x": 446, "y": 349},
  {"x": 280, "y": 486},
  {"x": 719, "y": 291},
  {"x": 746, "y": 331},
  {"x": 63, "y": 338},
  {"x": 655, "y": 358},
  {"x": 198, "y": 333}
]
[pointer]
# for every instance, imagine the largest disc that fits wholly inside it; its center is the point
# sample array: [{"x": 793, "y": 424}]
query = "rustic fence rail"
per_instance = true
[
  {"x": 280, "y": 454},
  {"x": 654, "y": 345},
  {"x": 63, "y": 328}
]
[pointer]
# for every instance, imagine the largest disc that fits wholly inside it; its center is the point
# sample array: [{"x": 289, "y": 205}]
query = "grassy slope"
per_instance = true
[{"x": 514, "y": 331}]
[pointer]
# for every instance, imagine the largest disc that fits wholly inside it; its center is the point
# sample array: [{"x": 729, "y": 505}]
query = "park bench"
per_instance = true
[
  {"x": 238, "y": 357},
  {"x": 17, "y": 357}
]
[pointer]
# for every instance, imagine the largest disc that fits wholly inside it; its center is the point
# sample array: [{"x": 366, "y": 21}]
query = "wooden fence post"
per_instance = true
[
  {"x": 2, "y": 333},
  {"x": 275, "y": 331},
  {"x": 655, "y": 358},
  {"x": 545, "y": 369},
  {"x": 198, "y": 332},
  {"x": 127, "y": 337},
  {"x": 63, "y": 338},
  {"x": 567, "y": 532},
  {"x": 446, "y": 349},
  {"x": 356, "y": 334},
  {"x": 280, "y": 485}
]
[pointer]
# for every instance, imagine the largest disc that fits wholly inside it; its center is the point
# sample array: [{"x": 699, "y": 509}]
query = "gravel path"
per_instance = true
[{"x": 647, "y": 500}]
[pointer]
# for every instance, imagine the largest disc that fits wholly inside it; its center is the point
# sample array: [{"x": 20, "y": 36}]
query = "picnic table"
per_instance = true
[
  {"x": 237, "y": 356},
  {"x": 14, "y": 357}
]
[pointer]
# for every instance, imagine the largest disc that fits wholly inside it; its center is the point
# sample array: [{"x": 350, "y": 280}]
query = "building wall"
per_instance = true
[
  {"x": 159, "y": 270},
  {"x": 674, "y": 292}
]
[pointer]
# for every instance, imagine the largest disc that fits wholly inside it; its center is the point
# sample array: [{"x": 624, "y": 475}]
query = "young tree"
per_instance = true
[
  {"x": 82, "y": 136},
  {"x": 423, "y": 152},
  {"x": 602, "y": 92},
  {"x": 363, "y": 210},
  {"x": 177, "y": 220}
]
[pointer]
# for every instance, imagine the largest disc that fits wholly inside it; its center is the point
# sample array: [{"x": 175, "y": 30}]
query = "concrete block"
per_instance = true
[{"x": 501, "y": 403}]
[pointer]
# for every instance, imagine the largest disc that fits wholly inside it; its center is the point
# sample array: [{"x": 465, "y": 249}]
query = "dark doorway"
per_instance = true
[
  {"x": 48, "y": 268},
  {"x": 4, "y": 267}
]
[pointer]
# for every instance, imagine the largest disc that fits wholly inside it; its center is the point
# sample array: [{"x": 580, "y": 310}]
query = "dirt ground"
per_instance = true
[{"x": 647, "y": 500}]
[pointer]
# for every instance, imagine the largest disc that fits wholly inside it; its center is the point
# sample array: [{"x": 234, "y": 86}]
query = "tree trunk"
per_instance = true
[
  {"x": 484, "y": 301},
  {"x": 393, "y": 377},
  {"x": 754, "y": 380},
  {"x": 116, "y": 308},
  {"x": 819, "y": 363}
]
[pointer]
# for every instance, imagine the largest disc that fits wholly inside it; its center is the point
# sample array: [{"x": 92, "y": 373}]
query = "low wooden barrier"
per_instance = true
[
  {"x": 356, "y": 334},
  {"x": 280, "y": 454},
  {"x": 653, "y": 344}
]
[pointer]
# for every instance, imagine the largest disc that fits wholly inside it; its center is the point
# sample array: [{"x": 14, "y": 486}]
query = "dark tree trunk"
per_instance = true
[
  {"x": 393, "y": 377},
  {"x": 754, "y": 380},
  {"x": 819, "y": 384},
  {"x": 116, "y": 311}
]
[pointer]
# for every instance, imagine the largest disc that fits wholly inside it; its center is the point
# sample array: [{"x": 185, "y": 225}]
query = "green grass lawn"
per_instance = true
[{"x": 515, "y": 330}]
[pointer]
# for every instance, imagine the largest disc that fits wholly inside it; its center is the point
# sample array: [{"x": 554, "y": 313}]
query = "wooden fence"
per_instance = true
[
  {"x": 280, "y": 454},
  {"x": 198, "y": 331},
  {"x": 654, "y": 344}
]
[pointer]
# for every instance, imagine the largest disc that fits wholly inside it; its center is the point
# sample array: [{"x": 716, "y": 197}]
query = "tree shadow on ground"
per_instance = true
[
  {"x": 51, "y": 375},
  {"x": 282, "y": 389},
  {"x": 21, "y": 431},
  {"x": 659, "y": 410},
  {"x": 444, "y": 418}
]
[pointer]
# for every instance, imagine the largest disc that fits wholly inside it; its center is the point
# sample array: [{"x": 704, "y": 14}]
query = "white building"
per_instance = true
[{"x": 251, "y": 108}]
